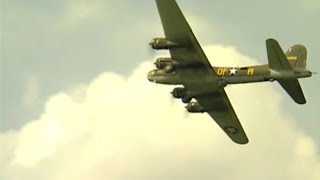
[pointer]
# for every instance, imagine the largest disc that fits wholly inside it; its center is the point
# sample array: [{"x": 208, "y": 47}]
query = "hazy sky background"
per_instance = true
[{"x": 50, "y": 47}]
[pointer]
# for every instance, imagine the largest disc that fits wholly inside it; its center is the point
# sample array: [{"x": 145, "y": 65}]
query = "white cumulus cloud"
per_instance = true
[{"x": 119, "y": 127}]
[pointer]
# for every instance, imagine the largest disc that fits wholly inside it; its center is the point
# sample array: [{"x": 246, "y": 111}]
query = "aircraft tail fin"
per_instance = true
[
  {"x": 294, "y": 59},
  {"x": 297, "y": 56}
]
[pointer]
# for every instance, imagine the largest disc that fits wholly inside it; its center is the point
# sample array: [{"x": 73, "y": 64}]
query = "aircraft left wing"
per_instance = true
[
  {"x": 220, "y": 109},
  {"x": 177, "y": 30}
]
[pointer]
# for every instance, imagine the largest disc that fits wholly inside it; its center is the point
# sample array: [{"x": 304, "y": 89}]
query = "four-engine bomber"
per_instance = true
[{"x": 203, "y": 85}]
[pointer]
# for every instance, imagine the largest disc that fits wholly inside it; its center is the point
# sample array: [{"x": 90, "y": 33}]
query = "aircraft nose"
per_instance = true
[{"x": 150, "y": 76}]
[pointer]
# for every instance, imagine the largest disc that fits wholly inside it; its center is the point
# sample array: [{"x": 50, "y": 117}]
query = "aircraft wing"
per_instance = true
[
  {"x": 220, "y": 109},
  {"x": 200, "y": 78},
  {"x": 177, "y": 30}
]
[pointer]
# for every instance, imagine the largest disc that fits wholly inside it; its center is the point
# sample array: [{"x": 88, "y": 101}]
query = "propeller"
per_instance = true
[
  {"x": 186, "y": 114},
  {"x": 151, "y": 52},
  {"x": 172, "y": 98}
]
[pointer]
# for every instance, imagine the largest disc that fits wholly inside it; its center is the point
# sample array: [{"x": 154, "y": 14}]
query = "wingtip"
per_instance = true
[
  {"x": 242, "y": 141},
  {"x": 270, "y": 40},
  {"x": 302, "y": 102}
]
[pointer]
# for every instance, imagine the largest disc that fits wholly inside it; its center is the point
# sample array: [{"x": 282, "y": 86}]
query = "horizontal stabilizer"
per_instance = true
[
  {"x": 276, "y": 57},
  {"x": 293, "y": 88}
]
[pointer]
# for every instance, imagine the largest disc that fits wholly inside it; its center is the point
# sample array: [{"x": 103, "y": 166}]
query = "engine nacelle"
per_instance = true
[
  {"x": 162, "y": 43},
  {"x": 167, "y": 64},
  {"x": 194, "y": 107},
  {"x": 162, "y": 62},
  {"x": 179, "y": 92}
]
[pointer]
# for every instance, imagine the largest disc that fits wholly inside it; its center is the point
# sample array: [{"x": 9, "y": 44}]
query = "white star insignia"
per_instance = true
[{"x": 233, "y": 71}]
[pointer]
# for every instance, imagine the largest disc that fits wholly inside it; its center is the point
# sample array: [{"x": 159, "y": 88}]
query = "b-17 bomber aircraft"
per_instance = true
[{"x": 188, "y": 66}]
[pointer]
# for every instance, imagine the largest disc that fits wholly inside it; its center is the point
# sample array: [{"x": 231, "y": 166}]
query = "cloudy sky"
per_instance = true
[{"x": 75, "y": 102}]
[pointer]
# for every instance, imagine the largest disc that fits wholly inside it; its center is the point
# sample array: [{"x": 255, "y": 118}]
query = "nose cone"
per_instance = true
[
  {"x": 152, "y": 43},
  {"x": 150, "y": 76}
]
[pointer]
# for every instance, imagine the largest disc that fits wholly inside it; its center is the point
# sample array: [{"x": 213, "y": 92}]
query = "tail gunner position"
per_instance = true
[{"x": 188, "y": 66}]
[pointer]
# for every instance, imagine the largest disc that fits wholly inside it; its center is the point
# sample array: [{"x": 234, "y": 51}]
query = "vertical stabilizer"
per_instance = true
[{"x": 297, "y": 56}]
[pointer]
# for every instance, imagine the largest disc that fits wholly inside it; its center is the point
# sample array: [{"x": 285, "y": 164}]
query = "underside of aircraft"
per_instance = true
[{"x": 203, "y": 85}]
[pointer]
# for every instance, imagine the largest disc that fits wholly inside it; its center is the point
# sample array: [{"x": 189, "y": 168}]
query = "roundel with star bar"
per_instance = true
[{"x": 231, "y": 130}]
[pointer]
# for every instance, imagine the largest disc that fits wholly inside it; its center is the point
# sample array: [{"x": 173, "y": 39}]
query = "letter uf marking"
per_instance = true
[{"x": 221, "y": 71}]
